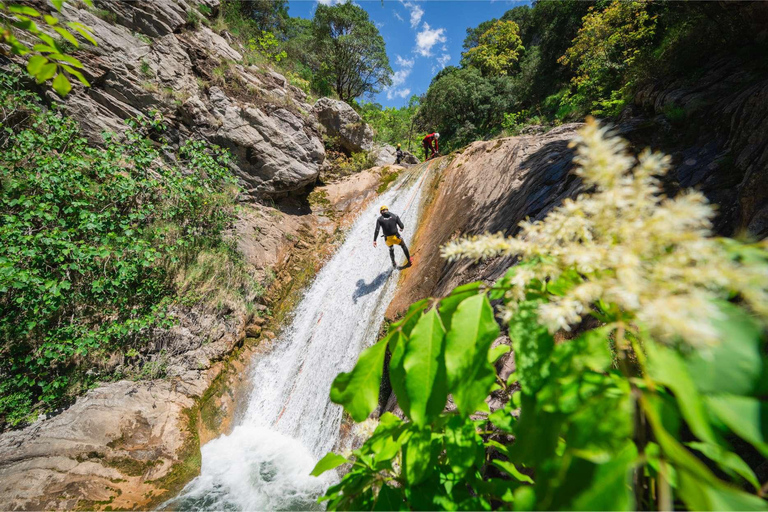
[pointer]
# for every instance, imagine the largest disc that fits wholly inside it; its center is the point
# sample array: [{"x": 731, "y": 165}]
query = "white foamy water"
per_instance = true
[{"x": 289, "y": 422}]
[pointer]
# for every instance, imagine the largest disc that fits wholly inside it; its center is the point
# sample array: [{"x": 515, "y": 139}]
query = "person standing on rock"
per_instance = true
[
  {"x": 430, "y": 145},
  {"x": 390, "y": 225},
  {"x": 398, "y": 155}
]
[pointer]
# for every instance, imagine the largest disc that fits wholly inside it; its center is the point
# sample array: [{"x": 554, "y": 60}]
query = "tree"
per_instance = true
[
  {"x": 269, "y": 15},
  {"x": 47, "y": 55},
  {"x": 351, "y": 50},
  {"x": 604, "y": 49},
  {"x": 464, "y": 105},
  {"x": 498, "y": 50}
]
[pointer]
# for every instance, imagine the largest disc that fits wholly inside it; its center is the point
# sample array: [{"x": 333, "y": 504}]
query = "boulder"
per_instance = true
[
  {"x": 384, "y": 155},
  {"x": 342, "y": 122},
  {"x": 273, "y": 152}
]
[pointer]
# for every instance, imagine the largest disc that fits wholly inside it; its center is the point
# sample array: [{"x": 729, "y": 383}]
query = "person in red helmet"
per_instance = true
[{"x": 430, "y": 145}]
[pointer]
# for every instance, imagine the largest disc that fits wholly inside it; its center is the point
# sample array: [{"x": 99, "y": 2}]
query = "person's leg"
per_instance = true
[
  {"x": 392, "y": 255},
  {"x": 405, "y": 251},
  {"x": 426, "y": 151}
]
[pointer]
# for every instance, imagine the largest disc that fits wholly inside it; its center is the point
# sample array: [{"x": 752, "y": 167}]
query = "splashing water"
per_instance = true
[{"x": 289, "y": 422}]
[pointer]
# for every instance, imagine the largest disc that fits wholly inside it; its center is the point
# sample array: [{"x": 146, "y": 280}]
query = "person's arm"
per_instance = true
[
  {"x": 400, "y": 223},
  {"x": 376, "y": 233}
]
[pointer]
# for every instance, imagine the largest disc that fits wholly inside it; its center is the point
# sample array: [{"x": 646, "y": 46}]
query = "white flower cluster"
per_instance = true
[
  {"x": 649, "y": 254},
  {"x": 366, "y": 428}
]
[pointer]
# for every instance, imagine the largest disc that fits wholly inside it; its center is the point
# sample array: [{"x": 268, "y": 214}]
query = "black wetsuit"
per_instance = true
[
  {"x": 388, "y": 223},
  {"x": 399, "y": 156}
]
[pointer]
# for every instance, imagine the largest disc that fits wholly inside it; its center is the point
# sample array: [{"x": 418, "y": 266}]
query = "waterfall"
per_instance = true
[{"x": 289, "y": 422}]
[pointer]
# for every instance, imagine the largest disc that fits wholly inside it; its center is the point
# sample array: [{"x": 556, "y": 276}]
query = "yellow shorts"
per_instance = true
[{"x": 393, "y": 240}]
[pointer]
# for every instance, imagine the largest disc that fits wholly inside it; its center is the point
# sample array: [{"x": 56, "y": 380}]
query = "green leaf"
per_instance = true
[
  {"x": 511, "y": 470},
  {"x": 610, "y": 486},
  {"x": 532, "y": 345},
  {"x": 358, "y": 390},
  {"x": 667, "y": 367},
  {"x": 737, "y": 365},
  {"x": 698, "y": 495},
  {"x": 496, "y": 352},
  {"x": 46, "y": 72},
  {"x": 697, "y": 486},
  {"x": 83, "y": 31},
  {"x": 330, "y": 461},
  {"x": 417, "y": 456},
  {"x": 728, "y": 462},
  {"x": 66, "y": 58},
  {"x": 397, "y": 372},
  {"x": 390, "y": 498},
  {"x": 463, "y": 445},
  {"x": 747, "y": 417},
  {"x": 473, "y": 330},
  {"x": 35, "y": 64},
  {"x": 424, "y": 365},
  {"x": 66, "y": 35},
  {"x": 449, "y": 304},
  {"x": 57, "y": 4},
  {"x": 85, "y": 82},
  {"x": 23, "y": 9}
]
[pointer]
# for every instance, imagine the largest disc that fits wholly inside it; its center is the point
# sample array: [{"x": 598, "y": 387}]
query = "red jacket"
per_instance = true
[{"x": 428, "y": 140}]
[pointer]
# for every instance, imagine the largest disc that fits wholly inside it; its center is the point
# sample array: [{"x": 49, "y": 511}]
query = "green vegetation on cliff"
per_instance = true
[
  {"x": 95, "y": 244},
  {"x": 559, "y": 61}
]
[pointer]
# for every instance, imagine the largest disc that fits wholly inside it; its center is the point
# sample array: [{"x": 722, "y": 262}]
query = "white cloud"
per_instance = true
[
  {"x": 428, "y": 38},
  {"x": 442, "y": 61},
  {"x": 331, "y": 2},
  {"x": 399, "y": 78},
  {"x": 404, "y": 63},
  {"x": 402, "y": 93},
  {"x": 416, "y": 13},
  {"x": 397, "y": 15}
]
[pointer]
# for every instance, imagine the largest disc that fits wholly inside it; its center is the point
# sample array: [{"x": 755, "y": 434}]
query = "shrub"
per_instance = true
[
  {"x": 633, "y": 409},
  {"x": 90, "y": 238}
]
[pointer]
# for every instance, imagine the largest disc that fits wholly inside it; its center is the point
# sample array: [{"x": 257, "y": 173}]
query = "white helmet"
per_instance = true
[{"x": 437, "y": 135}]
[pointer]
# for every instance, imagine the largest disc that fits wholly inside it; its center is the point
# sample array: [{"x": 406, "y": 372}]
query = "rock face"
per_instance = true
[
  {"x": 488, "y": 186},
  {"x": 82, "y": 457},
  {"x": 151, "y": 59},
  {"x": 386, "y": 155},
  {"x": 341, "y": 121},
  {"x": 716, "y": 129}
]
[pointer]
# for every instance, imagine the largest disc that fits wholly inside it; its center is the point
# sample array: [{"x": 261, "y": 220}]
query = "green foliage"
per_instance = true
[
  {"x": 463, "y": 105},
  {"x": 267, "y": 15},
  {"x": 498, "y": 49},
  {"x": 392, "y": 125},
  {"x": 606, "y": 47},
  {"x": 589, "y": 409},
  {"x": 352, "y": 54},
  {"x": 268, "y": 45},
  {"x": 91, "y": 241},
  {"x": 48, "y": 59}
]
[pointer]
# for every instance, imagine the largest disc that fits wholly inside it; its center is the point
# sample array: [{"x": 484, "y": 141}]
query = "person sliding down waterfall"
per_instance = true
[
  {"x": 389, "y": 224},
  {"x": 430, "y": 145}
]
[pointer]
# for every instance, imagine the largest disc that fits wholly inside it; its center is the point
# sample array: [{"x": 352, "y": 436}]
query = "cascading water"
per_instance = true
[{"x": 289, "y": 423}]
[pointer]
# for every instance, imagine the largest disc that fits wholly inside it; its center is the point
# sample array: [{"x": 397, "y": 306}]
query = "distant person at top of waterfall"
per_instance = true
[
  {"x": 399, "y": 155},
  {"x": 390, "y": 225},
  {"x": 430, "y": 145}
]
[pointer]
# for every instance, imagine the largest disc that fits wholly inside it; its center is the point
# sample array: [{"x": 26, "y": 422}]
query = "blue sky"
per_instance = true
[{"x": 422, "y": 37}]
